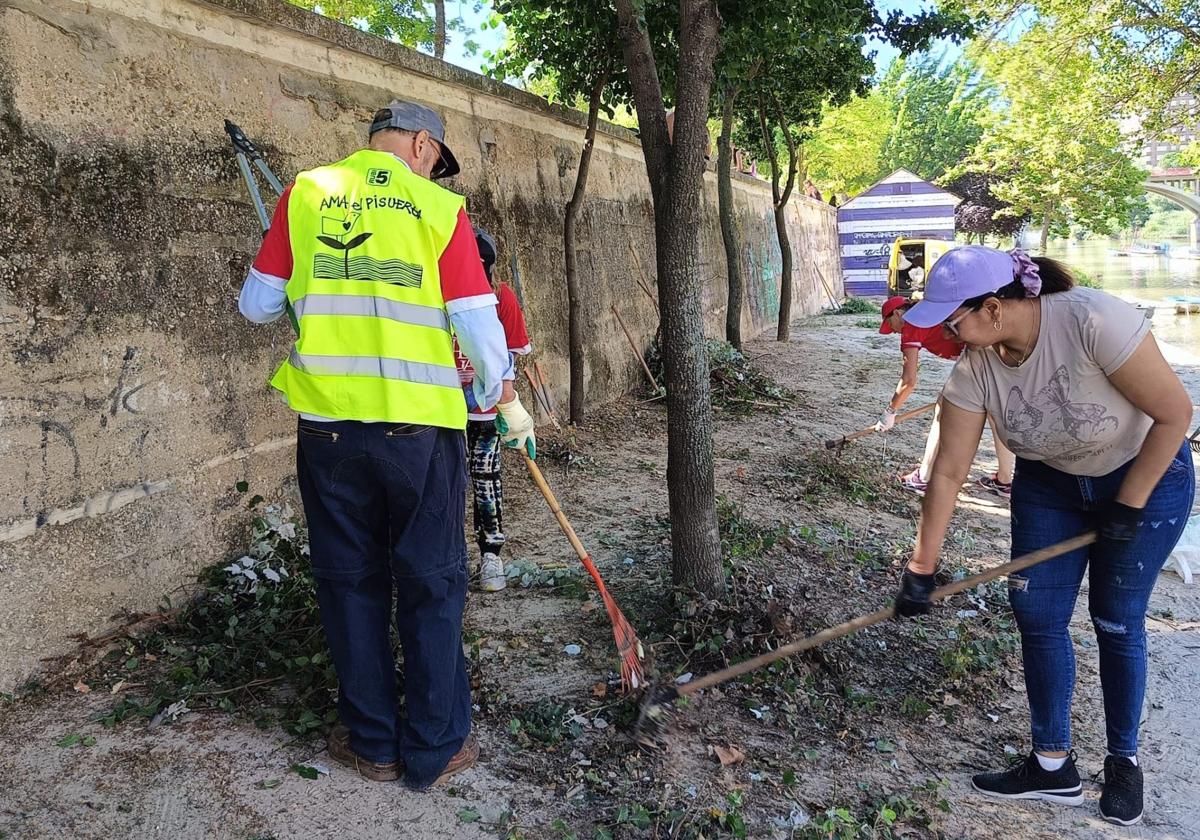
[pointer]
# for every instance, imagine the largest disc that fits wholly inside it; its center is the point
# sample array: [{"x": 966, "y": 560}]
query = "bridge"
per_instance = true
[{"x": 1180, "y": 185}]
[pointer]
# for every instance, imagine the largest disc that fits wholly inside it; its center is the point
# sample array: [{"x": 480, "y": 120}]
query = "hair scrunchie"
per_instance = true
[{"x": 1026, "y": 270}]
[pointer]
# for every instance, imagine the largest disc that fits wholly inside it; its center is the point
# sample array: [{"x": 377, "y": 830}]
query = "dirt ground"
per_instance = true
[{"x": 886, "y": 726}]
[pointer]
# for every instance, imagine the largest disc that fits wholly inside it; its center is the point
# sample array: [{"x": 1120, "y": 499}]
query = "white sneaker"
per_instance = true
[{"x": 491, "y": 574}]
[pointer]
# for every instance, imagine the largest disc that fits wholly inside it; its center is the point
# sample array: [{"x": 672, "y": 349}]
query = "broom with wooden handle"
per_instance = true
[
  {"x": 654, "y": 707},
  {"x": 838, "y": 443},
  {"x": 629, "y": 647}
]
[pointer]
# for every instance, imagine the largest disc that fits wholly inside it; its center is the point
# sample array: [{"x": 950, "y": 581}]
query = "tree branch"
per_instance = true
[
  {"x": 791, "y": 146},
  {"x": 647, "y": 92},
  {"x": 769, "y": 148}
]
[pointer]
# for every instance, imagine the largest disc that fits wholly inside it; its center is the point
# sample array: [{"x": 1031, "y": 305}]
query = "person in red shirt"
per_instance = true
[
  {"x": 483, "y": 438},
  {"x": 934, "y": 340}
]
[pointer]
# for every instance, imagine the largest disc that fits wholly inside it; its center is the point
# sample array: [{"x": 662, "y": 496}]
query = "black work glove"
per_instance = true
[
  {"x": 1118, "y": 522},
  {"x": 913, "y": 598}
]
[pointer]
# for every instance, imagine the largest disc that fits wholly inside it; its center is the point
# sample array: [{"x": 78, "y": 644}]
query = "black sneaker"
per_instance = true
[
  {"x": 1121, "y": 802},
  {"x": 1027, "y": 780}
]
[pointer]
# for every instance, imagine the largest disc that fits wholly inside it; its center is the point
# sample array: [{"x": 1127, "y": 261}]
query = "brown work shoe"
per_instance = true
[
  {"x": 462, "y": 760},
  {"x": 339, "y": 748}
]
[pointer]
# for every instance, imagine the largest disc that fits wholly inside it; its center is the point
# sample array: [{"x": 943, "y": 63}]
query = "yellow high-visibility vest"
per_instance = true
[{"x": 374, "y": 338}]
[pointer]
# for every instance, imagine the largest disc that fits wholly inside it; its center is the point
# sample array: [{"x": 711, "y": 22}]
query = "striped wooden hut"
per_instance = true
[{"x": 899, "y": 205}]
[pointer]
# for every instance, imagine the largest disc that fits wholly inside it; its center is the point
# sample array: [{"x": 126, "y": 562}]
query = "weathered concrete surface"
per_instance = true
[{"x": 132, "y": 394}]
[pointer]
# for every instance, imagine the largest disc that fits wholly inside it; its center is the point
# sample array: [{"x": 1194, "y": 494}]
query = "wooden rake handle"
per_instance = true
[
  {"x": 536, "y": 474},
  {"x": 870, "y": 430},
  {"x": 854, "y": 624}
]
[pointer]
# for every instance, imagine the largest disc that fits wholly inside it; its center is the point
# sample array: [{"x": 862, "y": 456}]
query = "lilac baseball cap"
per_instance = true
[{"x": 959, "y": 275}]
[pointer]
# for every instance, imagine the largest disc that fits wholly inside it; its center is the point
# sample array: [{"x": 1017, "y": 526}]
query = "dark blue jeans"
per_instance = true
[
  {"x": 385, "y": 505},
  {"x": 1049, "y": 506}
]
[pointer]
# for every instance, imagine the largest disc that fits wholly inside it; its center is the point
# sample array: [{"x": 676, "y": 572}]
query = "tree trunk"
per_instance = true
[
  {"x": 780, "y": 197},
  {"x": 439, "y": 28},
  {"x": 733, "y": 248},
  {"x": 675, "y": 171},
  {"x": 1046, "y": 211},
  {"x": 574, "y": 300},
  {"x": 784, "y": 328}
]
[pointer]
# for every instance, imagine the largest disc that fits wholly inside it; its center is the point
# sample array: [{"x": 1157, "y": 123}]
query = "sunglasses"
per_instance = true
[{"x": 951, "y": 326}]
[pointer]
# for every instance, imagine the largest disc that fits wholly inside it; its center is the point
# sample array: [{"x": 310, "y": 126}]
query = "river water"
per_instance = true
[{"x": 1141, "y": 279}]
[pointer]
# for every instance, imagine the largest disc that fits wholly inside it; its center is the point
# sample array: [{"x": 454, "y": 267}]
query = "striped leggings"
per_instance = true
[{"x": 487, "y": 490}]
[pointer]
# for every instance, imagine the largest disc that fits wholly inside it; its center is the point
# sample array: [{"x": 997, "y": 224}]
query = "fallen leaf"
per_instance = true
[
  {"x": 468, "y": 815},
  {"x": 599, "y": 690},
  {"x": 82, "y": 687},
  {"x": 728, "y": 755},
  {"x": 306, "y": 772}
]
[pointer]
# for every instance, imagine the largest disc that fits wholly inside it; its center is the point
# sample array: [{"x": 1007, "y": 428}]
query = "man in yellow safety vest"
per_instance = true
[{"x": 381, "y": 268}]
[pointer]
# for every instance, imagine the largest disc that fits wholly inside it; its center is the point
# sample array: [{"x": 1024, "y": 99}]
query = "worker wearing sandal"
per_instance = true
[{"x": 912, "y": 341}]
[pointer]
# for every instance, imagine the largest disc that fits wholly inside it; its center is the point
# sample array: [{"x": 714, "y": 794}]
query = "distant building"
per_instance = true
[
  {"x": 899, "y": 205},
  {"x": 1154, "y": 149}
]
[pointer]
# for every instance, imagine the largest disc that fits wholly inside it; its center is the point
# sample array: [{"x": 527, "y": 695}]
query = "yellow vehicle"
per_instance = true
[{"x": 910, "y": 263}]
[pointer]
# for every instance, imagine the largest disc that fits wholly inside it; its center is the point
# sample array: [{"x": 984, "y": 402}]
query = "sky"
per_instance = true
[{"x": 492, "y": 38}]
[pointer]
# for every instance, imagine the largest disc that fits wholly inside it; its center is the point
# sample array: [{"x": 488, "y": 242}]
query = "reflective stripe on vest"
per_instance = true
[
  {"x": 375, "y": 366},
  {"x": 394, "y": 310},
  {"x": 374, "y": 337}
]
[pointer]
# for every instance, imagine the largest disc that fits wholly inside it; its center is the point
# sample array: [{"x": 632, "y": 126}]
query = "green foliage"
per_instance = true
[
  {"x": 924, "y": 116},
  {"x": 561, "y": 50},
  {"x": 981, "y": 642},
  {"x": 844, "y": 150},
  {"x": 729, "y": 819},
  {"x": 1187, "y": 156},
  {"x": 857, "y": 306},
  {"x": 736, "y": 386},
  {"x": 937, "y": 114},
  {"x": 783, "y": 74},
  {"x": 568, "y": 581},
  {"x": 407, "y": 22},
  {"x": 254, "y": 624},
  {"x": 1143, "y": 52},
  {"x": 1050, "y": 151},
  {"x": 742, "y": 538},
  {"x": 1171, "y": 224},
  {"x": 890, "y": 819},
  {"x": 544, "y": 724}
]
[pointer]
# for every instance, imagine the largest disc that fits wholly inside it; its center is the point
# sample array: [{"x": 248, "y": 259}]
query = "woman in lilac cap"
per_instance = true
[{"x": 1075, "y": 384}]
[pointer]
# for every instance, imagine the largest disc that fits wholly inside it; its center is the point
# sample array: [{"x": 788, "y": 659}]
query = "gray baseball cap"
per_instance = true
[{"x": 409, "y": 116}]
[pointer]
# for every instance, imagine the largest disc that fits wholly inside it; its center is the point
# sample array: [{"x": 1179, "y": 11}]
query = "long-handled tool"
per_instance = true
[
  {"x": 828, "y": 290},
  {"x": 628, "y": 645},
  {"x": 248, "y": 153},
  {"x": 653, "y": 708},
  {"x": 838, "y": 443},
  {"x": 541, "y": 375},
  {"x": 539, "y": 394},
  {"x": 633, "y": 346}
]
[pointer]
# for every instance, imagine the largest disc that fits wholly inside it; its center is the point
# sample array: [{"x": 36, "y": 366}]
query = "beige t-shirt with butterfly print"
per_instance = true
[{"x": 1059, "y": 406}]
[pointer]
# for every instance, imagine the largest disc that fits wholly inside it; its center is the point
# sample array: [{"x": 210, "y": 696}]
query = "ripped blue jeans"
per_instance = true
[{"x": 1049, "y": 506}]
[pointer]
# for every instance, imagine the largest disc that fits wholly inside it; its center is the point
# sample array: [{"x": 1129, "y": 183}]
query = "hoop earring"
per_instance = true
[{"x": 996, "y": 326}]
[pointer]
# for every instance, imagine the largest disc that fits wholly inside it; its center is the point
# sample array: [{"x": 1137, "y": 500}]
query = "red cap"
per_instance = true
[{"x": 889, "y": 306}]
